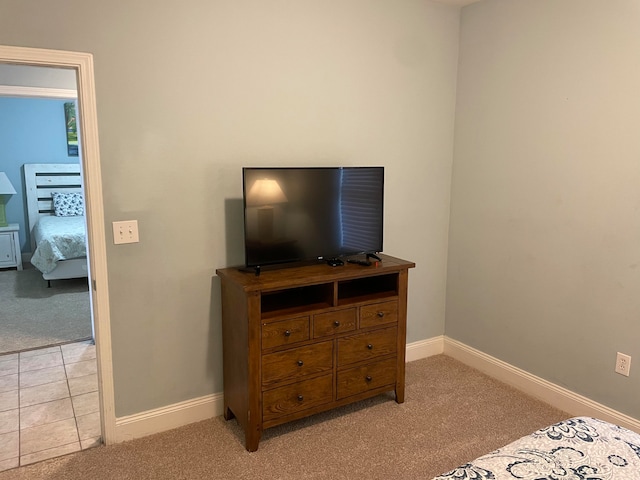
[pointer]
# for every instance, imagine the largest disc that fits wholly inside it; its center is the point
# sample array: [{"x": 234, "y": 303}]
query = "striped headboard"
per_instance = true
[{"x": 40, "y": 180}]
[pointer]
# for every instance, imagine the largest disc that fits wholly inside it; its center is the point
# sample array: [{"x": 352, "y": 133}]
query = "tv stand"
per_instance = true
[{"x": 306, "y": 339}]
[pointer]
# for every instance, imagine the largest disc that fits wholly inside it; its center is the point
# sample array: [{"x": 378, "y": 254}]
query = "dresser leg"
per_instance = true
[
  {"x": 400, "y": 393},
  {"x": 228, "y": 414},
  {"x": 252, "y": 438}
]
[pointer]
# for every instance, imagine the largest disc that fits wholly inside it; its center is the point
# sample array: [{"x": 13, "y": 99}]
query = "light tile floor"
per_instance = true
[{"x": 48, "y": 403}]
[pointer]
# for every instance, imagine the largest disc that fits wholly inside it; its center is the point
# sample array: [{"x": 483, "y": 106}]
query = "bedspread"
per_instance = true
[
  {"x": 579, "y": 448},
  {"x": 58, "y": 238}
]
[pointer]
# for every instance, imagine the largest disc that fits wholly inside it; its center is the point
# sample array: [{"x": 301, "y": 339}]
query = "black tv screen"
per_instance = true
[{"x": 311, "y": 213}]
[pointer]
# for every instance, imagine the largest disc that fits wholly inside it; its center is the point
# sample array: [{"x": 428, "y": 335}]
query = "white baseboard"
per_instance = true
[
  {"x": 425, "y": 348},
  {"x": 169, "y": 417},
  {"x": 202, "y": 408},
  {"x": 544, "y": 390}
]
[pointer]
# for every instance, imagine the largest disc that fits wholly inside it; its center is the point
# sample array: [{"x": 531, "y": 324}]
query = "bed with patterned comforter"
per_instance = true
[
  {"x": 58, "y": 239},
  {"x": 579, "y": 448}
]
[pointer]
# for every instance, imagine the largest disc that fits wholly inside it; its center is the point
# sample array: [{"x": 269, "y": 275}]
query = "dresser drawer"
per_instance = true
[
  {"x": 365, "y": 346},
  {"x": 330, "y": 323},
  {"x": 285, "y": 332},
  {"x": 297, "y": 362},
  {"x": 299, "y": 396},
  {"x": 378, "y": 314},
  {"x": 368, "y": 377}
]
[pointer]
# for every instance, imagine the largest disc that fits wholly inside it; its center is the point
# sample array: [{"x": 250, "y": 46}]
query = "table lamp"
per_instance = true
[
  {"x": 264, "y": 193},
  {"x": 6, "y": 189}
]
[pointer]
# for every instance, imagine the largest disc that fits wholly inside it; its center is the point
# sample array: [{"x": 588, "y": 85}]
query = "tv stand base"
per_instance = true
[{"x": 334, "y": 262}]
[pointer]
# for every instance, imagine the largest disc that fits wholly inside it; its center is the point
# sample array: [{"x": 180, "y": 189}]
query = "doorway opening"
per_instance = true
[
  {"x": 41, "y": 245},
  {"x": 78, "y": 358}
]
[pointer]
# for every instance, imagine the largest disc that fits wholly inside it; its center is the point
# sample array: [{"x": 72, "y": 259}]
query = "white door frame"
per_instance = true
[{"x": 83, "y": 64}]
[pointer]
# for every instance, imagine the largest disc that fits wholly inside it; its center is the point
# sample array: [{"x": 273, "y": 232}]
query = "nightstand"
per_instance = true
[{"x": 10, "y": 255}]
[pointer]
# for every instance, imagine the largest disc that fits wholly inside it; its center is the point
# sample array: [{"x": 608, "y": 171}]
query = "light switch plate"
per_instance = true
[{"x": 125, "y": 232}]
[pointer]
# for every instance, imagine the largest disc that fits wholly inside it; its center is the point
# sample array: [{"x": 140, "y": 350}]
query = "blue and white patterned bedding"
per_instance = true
[
  {"x": 58, "y": 238},
  {"x": 579, "y": 448}
]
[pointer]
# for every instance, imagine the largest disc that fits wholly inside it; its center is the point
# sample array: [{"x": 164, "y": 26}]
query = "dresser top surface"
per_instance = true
[{"x": 290, "y": 276}]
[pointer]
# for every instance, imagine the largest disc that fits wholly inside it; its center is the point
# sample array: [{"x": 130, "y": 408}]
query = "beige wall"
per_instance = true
[
  {"x": 190, "y": 91},
  {"x": 544, "y": 252}
]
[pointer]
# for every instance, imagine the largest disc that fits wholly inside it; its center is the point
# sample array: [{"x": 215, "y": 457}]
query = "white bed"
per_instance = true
[
  {"x": 579, "y": 448},
  {"x": 58, "y": 255}
]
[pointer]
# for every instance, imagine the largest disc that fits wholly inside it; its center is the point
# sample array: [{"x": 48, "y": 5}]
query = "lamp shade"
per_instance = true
[
  {"x": 265, "y": 191},
  {"x": 5, "y": 189},
  {"x": 5, "y": 185}
]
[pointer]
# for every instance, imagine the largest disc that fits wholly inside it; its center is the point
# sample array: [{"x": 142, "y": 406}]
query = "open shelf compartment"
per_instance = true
[
  {"x": 295, "y": 300},
  {"x": 367, "y": 288}
]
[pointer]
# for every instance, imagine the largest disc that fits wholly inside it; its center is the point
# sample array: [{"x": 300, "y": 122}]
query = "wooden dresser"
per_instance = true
[{"x": 301, "y": 340}]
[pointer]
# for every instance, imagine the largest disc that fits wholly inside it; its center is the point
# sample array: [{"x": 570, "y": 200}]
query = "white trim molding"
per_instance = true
[
  {"x": 169, "y": 417},
  {"x": 425, "y": 348},
  {"x": 537, "y": 387},
  {"x": 40, "y": 92}
]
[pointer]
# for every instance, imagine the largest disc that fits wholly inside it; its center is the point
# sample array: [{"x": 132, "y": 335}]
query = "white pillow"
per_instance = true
[{"x": 67, "y": 204}]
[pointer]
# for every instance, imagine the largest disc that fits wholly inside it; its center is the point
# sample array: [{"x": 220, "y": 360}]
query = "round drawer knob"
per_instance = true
[
  {"x": 336, "y": 323},
  {"x": 300, "y": 398},
  {"x": 381, "y": 314},
  {"x": 300, "y": 363},
  {"x": 368, "y": 378},
  {"x": 370, "y": 346},
  {"x": 287, "y": 333}
]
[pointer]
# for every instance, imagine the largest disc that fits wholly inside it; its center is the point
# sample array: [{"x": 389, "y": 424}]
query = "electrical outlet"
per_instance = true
[
  {"x": 623, "y": 364},
  {"x": 125, "y": 232}
]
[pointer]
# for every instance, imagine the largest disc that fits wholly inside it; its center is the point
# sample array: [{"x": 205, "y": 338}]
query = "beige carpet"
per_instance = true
[
  {"x": 452, "y": 414},
  {"x": 34, "y": 316}
]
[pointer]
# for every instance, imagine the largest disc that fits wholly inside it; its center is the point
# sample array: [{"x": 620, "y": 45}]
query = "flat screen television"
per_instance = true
[{"x": 311, "y": 213}]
